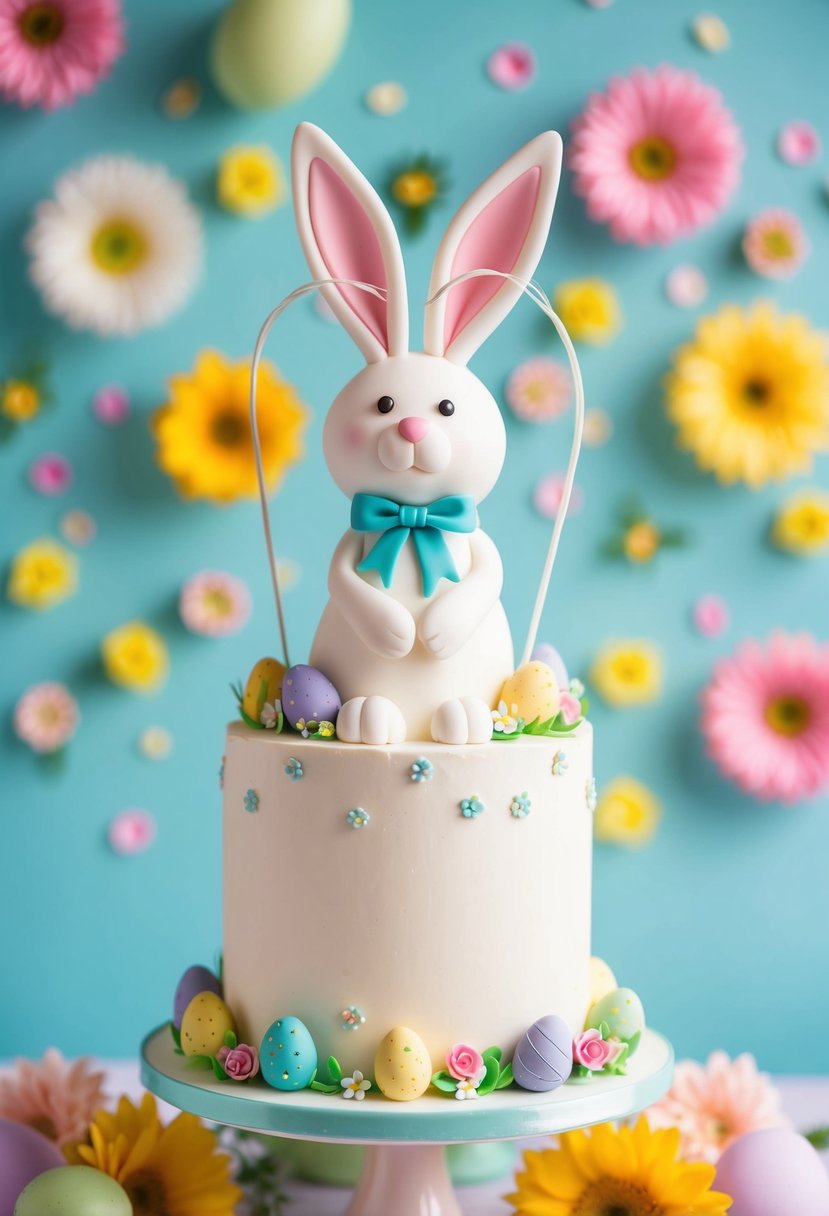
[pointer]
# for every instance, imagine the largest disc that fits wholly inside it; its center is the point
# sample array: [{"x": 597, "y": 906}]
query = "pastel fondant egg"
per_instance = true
[
  {"x": 264, "y": 686},
  {"x": 402, "y": 1067},
  {"x": 24, "y": 1154},
  {"x": 288, "y": 1055},
  {"x": 543, "y": 1059},
  {"x": 545, "y": 653},
  {"x": 602, "y": 980},
  {"x": 195, "y": 980},
  {"x": 622, "y": 1013},
  {"x": 773, "y": 1172},
  {"x": 308, "y": 694},
  {"x": 73, "y": 1190},
  {"x": 204, "y": 1025},
  {"x": 534, "y": 691}
]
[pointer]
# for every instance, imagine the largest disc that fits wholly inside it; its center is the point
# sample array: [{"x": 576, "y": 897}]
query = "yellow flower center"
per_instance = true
[
  {"x": 812, "y": 523},
  {"x": 45, "y": 574},
  {"x": 119, "y": 247},
  {"x": 228, "y": 429},
  {"x": 21, "y": 400},
  {"x": 48, "y": 714},
  {"x": 41, "y": 24},
  {"x": 145, "y": 1191},
  {"x": 788, "y": 716},
  {"x": 414, "y": 188},
  {"x": 630, "y": 668},
  {"x": 614, "y": 1197},
  {"x": 653, "y": 158},
  {"x": 641, "y": 541},
  {"x": 757, "y": 392},
  {"x": 218, "y": 602},
  {"x": 255, "y": 178},
  {"x": 777, "y": 244}
]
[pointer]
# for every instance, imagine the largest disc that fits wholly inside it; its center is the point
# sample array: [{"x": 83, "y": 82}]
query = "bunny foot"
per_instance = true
[
  {"x": 370, "y": 720},
  {"x": 463, "y": 720}
]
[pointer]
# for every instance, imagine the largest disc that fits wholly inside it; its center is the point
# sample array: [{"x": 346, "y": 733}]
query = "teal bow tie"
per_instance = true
[{"x": 398, "y": 521}]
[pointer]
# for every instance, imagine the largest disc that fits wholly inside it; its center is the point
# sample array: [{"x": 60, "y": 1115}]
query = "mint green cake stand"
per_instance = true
[{"x": 405, "y": 1168}]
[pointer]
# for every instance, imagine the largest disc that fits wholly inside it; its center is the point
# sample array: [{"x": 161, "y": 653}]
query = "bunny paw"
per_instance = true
[
  {"x": 463, "y": 720},
  {"x": 370, "y": 720}
]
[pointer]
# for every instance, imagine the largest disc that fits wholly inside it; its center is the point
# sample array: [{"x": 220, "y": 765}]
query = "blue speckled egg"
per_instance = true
[
  {"x": 287, "y": 1055},
  {"x": 543, "y": 1058},
  {"x": 195, "y": 980},
  {"x": 308, "y": 694}
]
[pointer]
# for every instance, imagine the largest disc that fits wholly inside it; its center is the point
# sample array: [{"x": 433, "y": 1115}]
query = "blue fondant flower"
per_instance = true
[
  {"x": 520, "y": 805},
  {"x": 422, "y": 769},
  {"x": 472, "y": 807},
  {"x": 294, "y": 769},
  {"x": 353, "y": 1018},
  {"x": 358, "y": 818},
  {"x": 591, "y": 795},
  {"x": 560, "y": 763},
  {"x": 251, "y": 801}
]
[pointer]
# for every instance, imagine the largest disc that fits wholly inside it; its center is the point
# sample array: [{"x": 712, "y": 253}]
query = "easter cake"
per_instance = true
[{"x": 407, "y": 817}]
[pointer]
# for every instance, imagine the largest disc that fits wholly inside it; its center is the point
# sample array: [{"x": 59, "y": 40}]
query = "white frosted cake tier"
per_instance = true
[{"x": 463, "y": 928}]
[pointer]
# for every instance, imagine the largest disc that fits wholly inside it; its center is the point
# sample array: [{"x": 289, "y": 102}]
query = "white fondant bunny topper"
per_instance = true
[{"x": 414, "y": 636}]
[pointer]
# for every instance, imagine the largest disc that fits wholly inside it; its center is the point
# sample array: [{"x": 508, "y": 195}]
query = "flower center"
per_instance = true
[
  {"x": 641, "y": 541},
  {"x": 44, "y": 1125},
  {"x": 218, "y": 602},
  {"x": 21, "y": 400},
  {"x": 414, "y": 188},
  {"x": 615, "y": 1197},
  {"x": 119, "y": 247},
  {"x": 630, "y": 669},
  {"x": 788, "y": 716},
  {"x": 146, "y": 1194},
  {"x": 41, "y": 24},
  {"x": 756, "y": 392},
  {"x": 653, "y": 158},
  {"x": 228, "y": 429},
  {"x": 778, "y": 244}
]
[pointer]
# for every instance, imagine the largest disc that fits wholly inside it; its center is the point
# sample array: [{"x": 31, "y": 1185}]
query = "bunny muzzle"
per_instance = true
[{"x": 414, "y": 443}]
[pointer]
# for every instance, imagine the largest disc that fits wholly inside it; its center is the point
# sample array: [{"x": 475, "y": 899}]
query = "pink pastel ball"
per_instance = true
[
  {"x": 111, "y": 405},
  {"x": 512, "y": 66},
  {"x": 711, "y": 616},
  {"x": 131, "y": 831},
  {"x": 773, "y": 1172},
  {"x": 50, "y": 474}
]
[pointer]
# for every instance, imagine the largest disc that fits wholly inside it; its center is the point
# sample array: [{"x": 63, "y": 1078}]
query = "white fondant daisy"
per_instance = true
[
  {"x": 119, "y": 247},
  {"x": 503, "y": 720},
  {"x": 466, "y": 1090},
  {"x": 356, "y": 1086}
]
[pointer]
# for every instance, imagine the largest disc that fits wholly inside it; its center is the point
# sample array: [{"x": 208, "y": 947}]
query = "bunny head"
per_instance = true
[{"x": 410, "y": 426}]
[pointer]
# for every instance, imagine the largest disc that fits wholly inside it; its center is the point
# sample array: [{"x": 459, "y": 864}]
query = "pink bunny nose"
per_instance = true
[{"x": 413, "y": 429}]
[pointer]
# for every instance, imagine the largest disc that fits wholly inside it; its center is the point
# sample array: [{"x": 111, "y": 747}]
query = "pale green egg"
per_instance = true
[
  {"x": 622, "y": 1013},
  {"x": 73, "y": 1190}
]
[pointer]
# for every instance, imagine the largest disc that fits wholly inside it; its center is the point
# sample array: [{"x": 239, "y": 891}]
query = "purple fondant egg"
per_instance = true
[
  {"x": 195, "y": 980},
  {"x": 543, "y": 1058},
  {"x": 24, "y": 1155},
  {"x": 309, "y": 695},
  {"x": 773, "y": 1172}
]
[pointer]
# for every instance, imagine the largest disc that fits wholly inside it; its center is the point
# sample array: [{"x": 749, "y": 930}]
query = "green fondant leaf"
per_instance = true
[
  {"x": 506, "y": 1078},
  {"x": 218, "y": 1072},
  {"x": 334, "y": 1069},
  {"x": 176, "y": 1036},
  {"x": 818, "y": 1137},
  {"x": 203, "y": 1062},
  {"x": 261, "y": 696},
  {"x": 493, "y": 1051},
  {"x": 280, "y": 723},
  {"x": 490, "y": 1081},
  {"x": 604, "y": 1029},
  {"x": 248, "y": 721},
  {"x": 443, "y": 1081},
  {"x": 230, "y": 1039},
  {"x": 633, "y": 1042},
  {"x": 320, "y": 1088},
  {"x": 619, "y": 1066},
  {"x": 236, "y": 689}
]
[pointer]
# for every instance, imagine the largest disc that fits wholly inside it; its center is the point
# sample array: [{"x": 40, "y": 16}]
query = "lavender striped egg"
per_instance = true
[{"x": 544, "y": 1056}]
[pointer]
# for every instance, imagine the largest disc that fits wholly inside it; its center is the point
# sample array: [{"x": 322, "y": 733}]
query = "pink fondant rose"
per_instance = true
[
  {"x": 569, "y": 707},
  {"x": 592, "y": 1051},
  {"x": 465, "y": 1063},
  {"x": 240, "y": 1063}
]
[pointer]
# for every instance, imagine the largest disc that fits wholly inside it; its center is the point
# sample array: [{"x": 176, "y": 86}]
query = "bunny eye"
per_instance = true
[
  {"x": 446, "y": 407},
  {"x": 385, "y": 405}
]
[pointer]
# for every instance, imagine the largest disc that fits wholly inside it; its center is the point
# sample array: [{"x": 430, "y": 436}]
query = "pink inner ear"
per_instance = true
[
  {"x": 493, "y": 241},
  {"x": 348, "y": 244}
]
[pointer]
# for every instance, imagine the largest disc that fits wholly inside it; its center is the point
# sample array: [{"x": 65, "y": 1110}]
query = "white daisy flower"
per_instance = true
[
  {"x": 119, "y": 247},
  {"x": 503, "y": 720},
  {"x": 466, "y": 1090},
  {"x": 356, "y": 1086}
]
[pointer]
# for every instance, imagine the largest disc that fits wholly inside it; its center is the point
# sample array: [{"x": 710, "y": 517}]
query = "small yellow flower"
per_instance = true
[
  {"x": 641, "y": 541},
  {"x": 589, "y": 309},
  {"x": 135, "y": 656},
  {"x": 802, "y": 523},
  {"x": 414, "y": 188},
  {"x": 42, "y": 574},
  {"x": 627, "y": 673},
  {"x": 627, "y": 813},
  {"x": 20, "y": 400},
  {"x": 251, "y": 181}
]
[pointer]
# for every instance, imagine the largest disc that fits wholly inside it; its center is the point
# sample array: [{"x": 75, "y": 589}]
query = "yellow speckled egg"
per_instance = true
[
  {"x": 206, "y": 1021},
  {"x": 264, "y": 686},
  {"x": 534, "y": 691},
  {"x": 402, "y": 1066},
  {"x": 602, "y": 980}
]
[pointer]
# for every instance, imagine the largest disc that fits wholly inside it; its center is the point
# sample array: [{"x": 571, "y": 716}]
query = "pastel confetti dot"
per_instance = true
[
  {"x": 686, "y": 286},
  {"x": 598, "y": 428},
  {"x": 386, "y": 98},
  {"x": 182, "y": 98},
  {"x": 798, "y": 143},
  {"x": 50, "y": 474},
  {"x": 78, "y": 528},
  {"x": 512, "y": 66},
  {"x": 547, "y": 496},
  {"x": 131, "y": 832},
  {"x": 111, "y": 405},
  {"x": 155, "y": 743},
  {"x": 538, "y": 390},
  {"x": 710, "y": 616},
  {"x": 711, "y": 33}
]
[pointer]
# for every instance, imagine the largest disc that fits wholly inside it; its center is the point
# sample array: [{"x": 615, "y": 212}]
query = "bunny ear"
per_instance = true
[
  {"x": 347, "y": 233},
  {"x": 502, "y": 226}
]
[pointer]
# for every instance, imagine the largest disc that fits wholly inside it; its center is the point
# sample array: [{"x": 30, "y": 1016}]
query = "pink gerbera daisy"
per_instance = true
[
  {"x": 46, "y": 717},
  {"x": 538, "y": 390},
  {"x": 713, "y": 1104},
  {"x": 656, "y": 156},
  {"x": 52, "y": 50},
  {"x": 765, "y": 717},
  {"x": 56, "y": 1098},
  {"x": 775, "y": 244},
  {"x": 214, "y": 603}
]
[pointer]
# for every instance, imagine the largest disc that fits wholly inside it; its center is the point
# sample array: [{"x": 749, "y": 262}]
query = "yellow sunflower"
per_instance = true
[
  {"x": 750, "y": 395},
  {"x": 204, "y": 436},
  {"x": 629, "y": 1171},
  {"x": 166, "y": 1171}
]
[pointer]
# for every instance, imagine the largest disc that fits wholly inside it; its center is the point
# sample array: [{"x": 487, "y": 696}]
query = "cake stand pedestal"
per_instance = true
[{"x": 405, "y": 1170}]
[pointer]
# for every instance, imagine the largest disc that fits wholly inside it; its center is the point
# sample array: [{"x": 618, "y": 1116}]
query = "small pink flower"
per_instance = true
[
  {"x": 686, "y": 286},
  {"x": 775, "y": 244},
  {"x": 798, "y": 143},
  {"x": 547, "y": 496},
  {"x": 569, "y": 707},
  {"x": 50, "y": 474},
  {"x": 111, "y": 405},
  {"x": 131, "y": 832},
  {"x": 78, "y": 527},
  {"x": 592, "y": 1051},
  {"x": 538, "y": 390},
  {"x": 464, "y": 1063},
  {"x": 52, "y": 1095},
  {"x": 240, "y": 1062},
  {"x": 214, "y": 603},
  {"x": 710, "y": 616},
  {"x": 512, "y": 66},
  {"x": 46, "y": 717}
]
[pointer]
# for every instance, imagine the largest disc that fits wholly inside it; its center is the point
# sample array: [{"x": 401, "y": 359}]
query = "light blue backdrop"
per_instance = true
[{"x": 721, "y": 922}]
